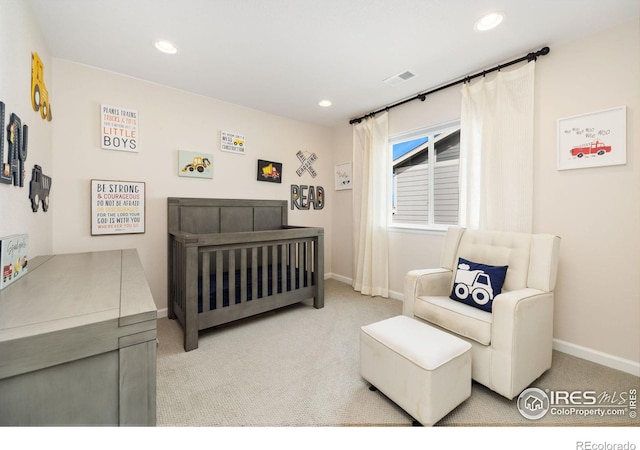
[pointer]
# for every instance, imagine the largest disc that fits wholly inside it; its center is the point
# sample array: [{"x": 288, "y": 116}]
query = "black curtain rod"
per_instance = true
[{"x": 529, "y": 57}]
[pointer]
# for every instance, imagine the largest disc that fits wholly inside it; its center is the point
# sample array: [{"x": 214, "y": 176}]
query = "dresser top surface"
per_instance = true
[{"x": 69, "y": 290}]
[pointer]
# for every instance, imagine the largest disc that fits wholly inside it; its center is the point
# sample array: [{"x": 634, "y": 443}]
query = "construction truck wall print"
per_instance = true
[
  {"x": 195, "y": 165},
  {"x": 269, "y": 171},
  {"x": 39, "y": 93}
]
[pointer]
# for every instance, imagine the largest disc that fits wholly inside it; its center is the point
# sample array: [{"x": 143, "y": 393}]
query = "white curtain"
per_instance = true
[
  {"x": 496, "y": 146},
  {"x": 371, "y": 179}
]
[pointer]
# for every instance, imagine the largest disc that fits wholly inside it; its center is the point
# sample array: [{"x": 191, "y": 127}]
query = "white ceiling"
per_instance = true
[{"x": 284, "y": 56}]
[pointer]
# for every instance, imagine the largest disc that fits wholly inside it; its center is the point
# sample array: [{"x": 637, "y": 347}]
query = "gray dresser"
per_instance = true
[{"x": 78, "y": 342}]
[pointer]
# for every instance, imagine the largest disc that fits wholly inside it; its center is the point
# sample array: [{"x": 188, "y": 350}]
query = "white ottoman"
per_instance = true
[{"x": 425, "y": 371}]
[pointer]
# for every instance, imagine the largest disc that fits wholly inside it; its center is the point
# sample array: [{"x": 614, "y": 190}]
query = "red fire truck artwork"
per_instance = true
[{"x": 594, "y": 148}]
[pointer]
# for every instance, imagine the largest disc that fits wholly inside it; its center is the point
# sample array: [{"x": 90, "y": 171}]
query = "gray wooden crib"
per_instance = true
[{"x": 231, "y": 259}]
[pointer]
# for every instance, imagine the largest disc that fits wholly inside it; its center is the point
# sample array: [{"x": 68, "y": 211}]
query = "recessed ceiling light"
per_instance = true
[
  {"x": 325, "y": 103},
  {"x": 489, "y": 21},
  {"x": 166, "y": 47}
]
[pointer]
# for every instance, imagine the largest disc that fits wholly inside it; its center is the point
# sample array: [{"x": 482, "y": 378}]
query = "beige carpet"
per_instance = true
[{"x": 299, "y": 366}]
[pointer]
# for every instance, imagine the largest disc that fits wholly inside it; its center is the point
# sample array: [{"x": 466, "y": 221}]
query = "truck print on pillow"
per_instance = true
[{"x": 477, "y": 284}]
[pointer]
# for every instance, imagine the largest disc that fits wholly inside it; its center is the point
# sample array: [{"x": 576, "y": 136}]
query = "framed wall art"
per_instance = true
[
  {"x": 343, "y": 174},
  {"x": 232, "y": 142},
  {"x": 195, "y": 165},
  {"x": 119, "y": 128},
  {"x": 269, "y": 171},
  {"x": 117, "y": 207},
  {"x": 593, "y": 140}
]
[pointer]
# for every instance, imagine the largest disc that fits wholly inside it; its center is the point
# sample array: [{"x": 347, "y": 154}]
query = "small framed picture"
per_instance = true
[
  {"x": 343, "y": 176},
  {"x": 593, "y": 140},
  {"x": 269, "y": 171},
  {"x": 232, "y": 142},
  {"x": 195, "y": 165}
]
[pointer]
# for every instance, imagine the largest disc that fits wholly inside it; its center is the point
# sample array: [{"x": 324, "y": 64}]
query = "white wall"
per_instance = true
[
  {"x": 595, "y": 211},
  {"x": 342, "y": 225},
  {"x": 19, "y": 37},
  {"x": 169, "y": 120}
]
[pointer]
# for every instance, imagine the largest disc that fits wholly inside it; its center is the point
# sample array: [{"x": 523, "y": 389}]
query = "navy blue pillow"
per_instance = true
[{"x": 478, "y": 284}]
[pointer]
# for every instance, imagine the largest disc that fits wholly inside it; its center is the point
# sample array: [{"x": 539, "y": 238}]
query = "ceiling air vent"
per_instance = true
[{"x": 399, "y": 78}]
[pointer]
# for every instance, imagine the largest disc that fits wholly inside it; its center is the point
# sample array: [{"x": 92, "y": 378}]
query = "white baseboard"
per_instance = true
[
  {"x": 164, "y": 312},
  {"x": 598, "y": 357},
  {"x": 342, "y": 279},
  {"x": 392, "y": 294}
]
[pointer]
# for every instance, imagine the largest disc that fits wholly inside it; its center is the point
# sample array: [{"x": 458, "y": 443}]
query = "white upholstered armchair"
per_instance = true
[{"x": 512, "y": 344}]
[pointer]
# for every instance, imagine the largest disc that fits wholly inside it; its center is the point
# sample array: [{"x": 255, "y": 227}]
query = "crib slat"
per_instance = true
[
  {"x": 178, "y": 271},
  {"x": 206, "y": 279},
  {"x": 283, "y": 268},
  {"x": 254, "y": 273},
  {"x": 265, "y": 271},
  {"x": 301, "y": 264},
  {"x": 231, "y": 273},
  {"x": 219, "y": 280},
  {"x": 243, "y": 275},
  {"x": 307, "y": 266},
  {"x": 314, "y": 258},
  {"x": 292, "y": 265},
  {"x": 182, "y": 280},
  {"x": 179, "y": 268},
  {"x": 274, "y": 269}
]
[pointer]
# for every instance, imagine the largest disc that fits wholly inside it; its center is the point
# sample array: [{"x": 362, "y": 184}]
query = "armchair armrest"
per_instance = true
[
  {"x": 425, "y": 282},
  {"x": 522, "y": 337},
  {"x": 515, "y": 310}
]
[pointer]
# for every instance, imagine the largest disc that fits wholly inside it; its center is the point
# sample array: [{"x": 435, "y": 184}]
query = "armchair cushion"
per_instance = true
[
  {"x": 477, "y": 284},
  {"x": 456, "y": 317}
]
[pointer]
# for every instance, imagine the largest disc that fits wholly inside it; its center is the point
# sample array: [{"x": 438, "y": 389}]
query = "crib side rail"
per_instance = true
[
  {"x": 245, "y": 237},
  {"x": 225, "y": 276}
]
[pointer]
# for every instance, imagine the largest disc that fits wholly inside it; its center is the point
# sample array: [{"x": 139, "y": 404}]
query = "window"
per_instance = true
[{"x": 425, "y": 194}]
